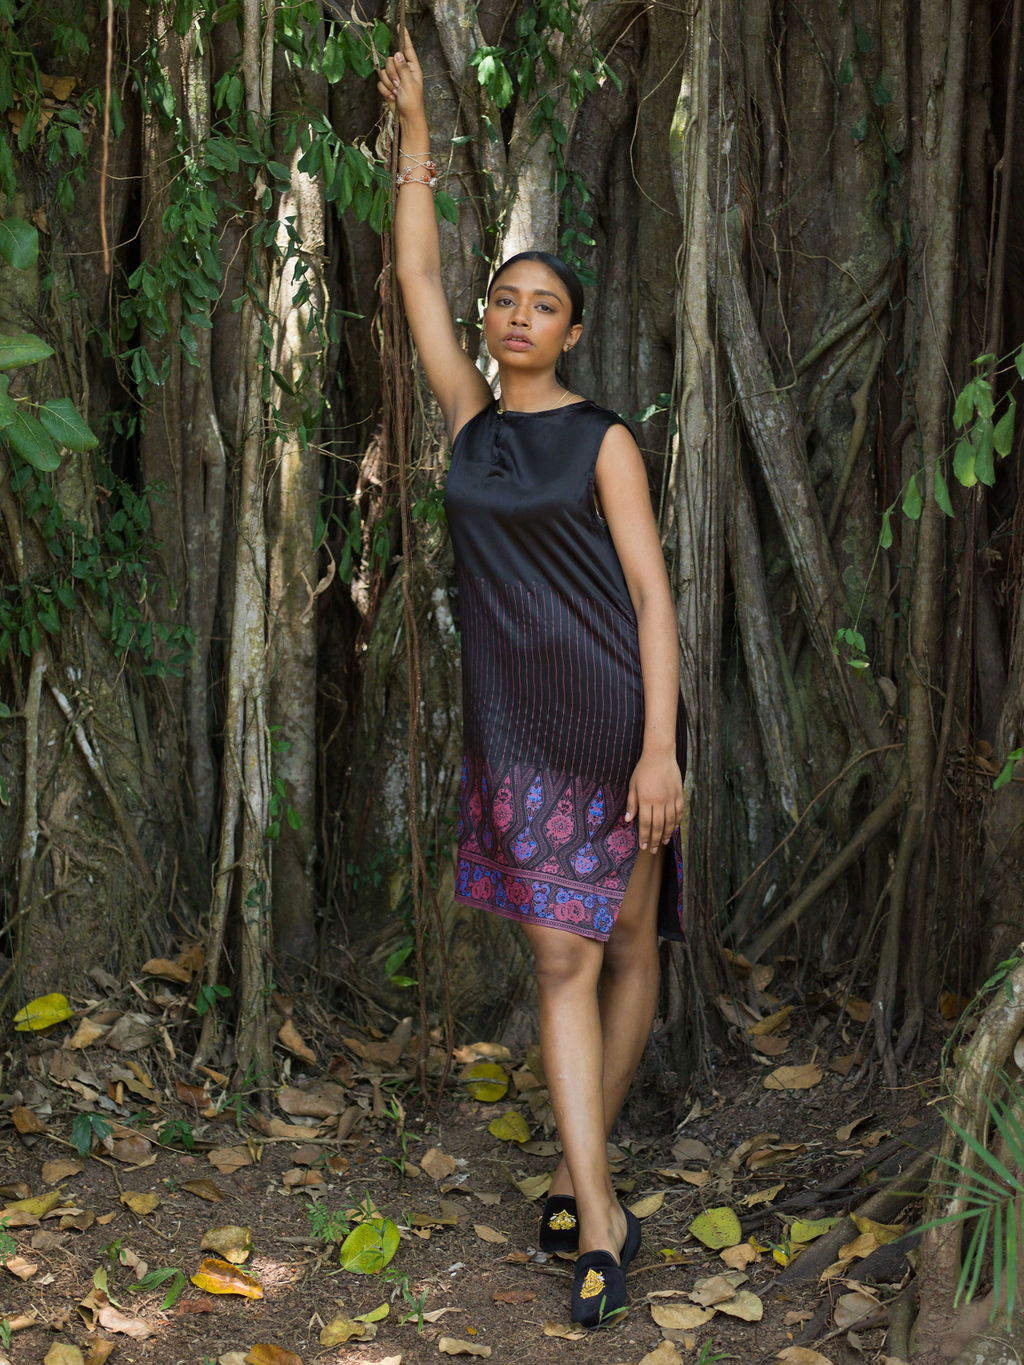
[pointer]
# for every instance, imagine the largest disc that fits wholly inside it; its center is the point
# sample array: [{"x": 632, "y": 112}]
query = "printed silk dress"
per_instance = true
[{"x": 552, "y": 691}]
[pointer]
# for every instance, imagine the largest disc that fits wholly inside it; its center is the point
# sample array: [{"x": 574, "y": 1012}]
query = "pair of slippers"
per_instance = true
[{"x": 599, "y": 1282}]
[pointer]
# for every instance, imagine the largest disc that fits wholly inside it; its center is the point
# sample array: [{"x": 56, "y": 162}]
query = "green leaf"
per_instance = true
[
  {"x": 880, "y": 93},
  {"x": 942, "y": 497},
  {"x": 19, "y": 243},
  {"x": 31, "y": 442},
  {"x": 61, "y": 419},
  {"x": 859, "y": 131},
  {"x": 964, "y": 409},
  {"x": 846, "y": 72},
  {"x": 984, "y": 450},
  {"x": 885, "y": 537},
  {"x": 1002, "y": 438},
  {"x": 369, "y": 1246},
  {"x": 446, "y": 206},
  {"x": 1018, "y": 360},
  {"x": 1006, "y": 772},
  {"x": 912, "y": 499},
  {"x": 863, "y": 38},
  {"x": 17, "y": 351},
  {"x": 963, "y": 463}
]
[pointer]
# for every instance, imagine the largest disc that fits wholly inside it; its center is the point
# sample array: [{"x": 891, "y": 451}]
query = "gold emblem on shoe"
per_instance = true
[
  {"x": 562, "y": 1221},
  {"x": 592, "y": 1285}
]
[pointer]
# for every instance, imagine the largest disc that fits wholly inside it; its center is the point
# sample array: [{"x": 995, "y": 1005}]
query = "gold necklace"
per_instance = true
[{"x": 566, "y": 393}]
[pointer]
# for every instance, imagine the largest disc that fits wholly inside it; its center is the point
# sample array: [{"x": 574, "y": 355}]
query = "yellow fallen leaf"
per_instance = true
[
  {"x": 487, "y": 1234},
  {"x": 698, "y": 1178},
  {"x": 370, "y": 1246},
  {"x": 883, "y": 1233},
  {"x": 651, "y": 1203},
  {"x": 862, "y": 1245},
  {"x": 745, "y": 1305},
  {"x": 230, "y": 1242},
  {"x": 220, "y": 1277},
  {"x": 680, "y": 1317},
  {"x": 765, "y": 1196},
  {"x": 63, "y": 1353},
  {"x": 533, "y": 1186},
  {"x": 509, "y": 1127},
  {"x": 38, "y": 1206},
  {"x": 804, "y": 1230},
  {"x": 451, "y": 1346},
  {"x": 485, "y": 1081},
  {"x": 772, "y": 1023},
  {"x": 86, "y": 1034},
  {"x": 716, "y": 1228},
  {"x": 565, "y": 1331},
  {"x": 846, "y": 1132},
  {"x": 377, "y": 1314},
  {"x": 140, "y": 1202},
  {"x": 793, "y": 1077},
  {"x": 263, "y": 1353},
  {"x": 43, "y": 1013},
  {"x": 342, "y": 1329},
  {"x": 775, "y": 1154}
]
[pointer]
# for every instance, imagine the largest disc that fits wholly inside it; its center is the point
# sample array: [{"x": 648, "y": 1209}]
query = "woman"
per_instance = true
[{"x": 572, "y": 786}]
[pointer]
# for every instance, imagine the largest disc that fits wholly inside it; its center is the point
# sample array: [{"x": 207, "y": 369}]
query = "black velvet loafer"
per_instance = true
[
  {"x": 559, "y": 1225},
  {"x": 599, "y": 1282}
]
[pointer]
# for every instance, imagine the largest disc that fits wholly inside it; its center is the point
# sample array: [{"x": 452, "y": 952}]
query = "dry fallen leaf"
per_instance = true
[
  {"x": 133, "y": 1151},
  {"x": 509, "y": 1127},
  {"x": 99, "y": 1350},
  {"x": 774, "y": 1154},
  {"x": 321, "y": 1101},
  {"x": 451, "y": 1346},
  {"x": 738, "y": 1256},
  {"x": 793, "y": 1077},
  {"x": 290, "y": 1037},
  {"x": 487, "y": 1234},
  {"x": 772, "y": 1022},
  {"x": 86, "y": 1034},
  {"x": 229, "y": 1159},
  {"x": 651, "y": 1203},
  {"x": 167, "y": 970},
  {"x": 78, "y": 1222},
  {"x": 565, "y": 1331},
  {"x": 883, "y": 1233},
  {"x": 691, "y": 1149},
  {"x": 342, "y": 1329},
  {"x": 140, "y": 1202},
  {"x": 63, "y": 1353},
  {"x": 37, "y": 1207},
  {"x": 715, "y": 1289},
  {"x": 665, "y": 1353},
  {"x": 858, "y": 1010},
  {"x": 680, "y": 1317},
  {"x": 220, "y": 1277},
  {"x": 25, "y": 1121},
  {"x": 802, "y": 1355},
  {"x": 698, "y": 1178},
  {"x": 20, "y": 1266},
  {"x": 97, "y": 1308},
  {"x": 204, "y": 1188},
  {"x": 851, "y": 1308},
  {"x": 764, "y": 1196},
  {"x": 265, "y": 1354},
  {"x": 515, "y": 1296},
  {"x": 772, "y": 1046},
  {"x": 230, "y": 1242},
  {"x": 300, "y": 1177},
  {"x": 437, "y": 1164},
  {"x": 862, "y": 1245},
  {"x": 56, "y": 1171},
  {"x": 745, "y": 1305},
  {"x": 533, "y": 1186}
]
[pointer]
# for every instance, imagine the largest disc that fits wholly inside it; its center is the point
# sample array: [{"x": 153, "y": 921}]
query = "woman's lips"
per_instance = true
[{"x": 517, "y": 342}]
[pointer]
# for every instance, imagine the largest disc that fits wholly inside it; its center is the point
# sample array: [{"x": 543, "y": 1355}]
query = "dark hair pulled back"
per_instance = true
[{"x": 558, "y": 267}]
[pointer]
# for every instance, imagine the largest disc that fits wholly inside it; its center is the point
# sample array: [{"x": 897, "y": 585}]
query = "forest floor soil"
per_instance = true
[{"x": 175, "y": 1152}]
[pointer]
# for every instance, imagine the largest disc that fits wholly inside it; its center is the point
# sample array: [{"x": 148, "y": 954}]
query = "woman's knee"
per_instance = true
[{"x": 563, "y": 959}]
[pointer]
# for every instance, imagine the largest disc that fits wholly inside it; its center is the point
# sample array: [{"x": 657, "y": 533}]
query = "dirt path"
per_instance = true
[{"x": 466, "y": 1267}]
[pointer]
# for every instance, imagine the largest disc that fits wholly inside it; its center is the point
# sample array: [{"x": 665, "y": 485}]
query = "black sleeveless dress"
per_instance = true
[{"x": 552, "y": 690}]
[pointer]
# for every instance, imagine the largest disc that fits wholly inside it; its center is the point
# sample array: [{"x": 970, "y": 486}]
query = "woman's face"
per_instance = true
[{"x": 527, "y": 318}]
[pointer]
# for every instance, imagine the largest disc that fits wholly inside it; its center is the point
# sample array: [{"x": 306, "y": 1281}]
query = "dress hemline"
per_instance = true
[{"x": 517, "y": 917}]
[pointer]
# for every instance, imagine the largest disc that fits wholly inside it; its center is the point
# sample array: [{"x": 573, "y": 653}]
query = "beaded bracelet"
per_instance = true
[{"x": 407, "y": 177}]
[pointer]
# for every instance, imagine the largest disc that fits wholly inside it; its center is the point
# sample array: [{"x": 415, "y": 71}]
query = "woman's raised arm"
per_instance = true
[{"x": 458, "y": 385}]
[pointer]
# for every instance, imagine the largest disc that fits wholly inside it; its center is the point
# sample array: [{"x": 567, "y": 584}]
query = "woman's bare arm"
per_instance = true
[
  {"x": 458, "y": 385},
  {"x": 656, "y": 788}
]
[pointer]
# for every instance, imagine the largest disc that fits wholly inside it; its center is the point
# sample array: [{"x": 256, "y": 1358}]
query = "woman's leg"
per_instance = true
[
  {"x": 628, "y": 995},
  {"x": 571, "y": 1040}
]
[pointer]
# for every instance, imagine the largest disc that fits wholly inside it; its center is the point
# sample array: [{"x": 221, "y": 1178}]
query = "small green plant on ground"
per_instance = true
[
  {"x": 159, "y": 1277},
  {"x": 177, "y": 1131},
  {"x": 327, "y": 1225},
  {"x": 87, "y": 1129},
  {"x": 8, "y": 1246}
]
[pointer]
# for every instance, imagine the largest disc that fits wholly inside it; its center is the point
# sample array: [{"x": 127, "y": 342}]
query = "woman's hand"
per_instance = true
[
  {"x": 400, "y": 79},
  {"x": 656, "y": 799}
]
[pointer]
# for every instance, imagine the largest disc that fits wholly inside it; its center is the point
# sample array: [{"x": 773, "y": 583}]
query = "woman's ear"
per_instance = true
[{"x": 572, "y": 336}]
